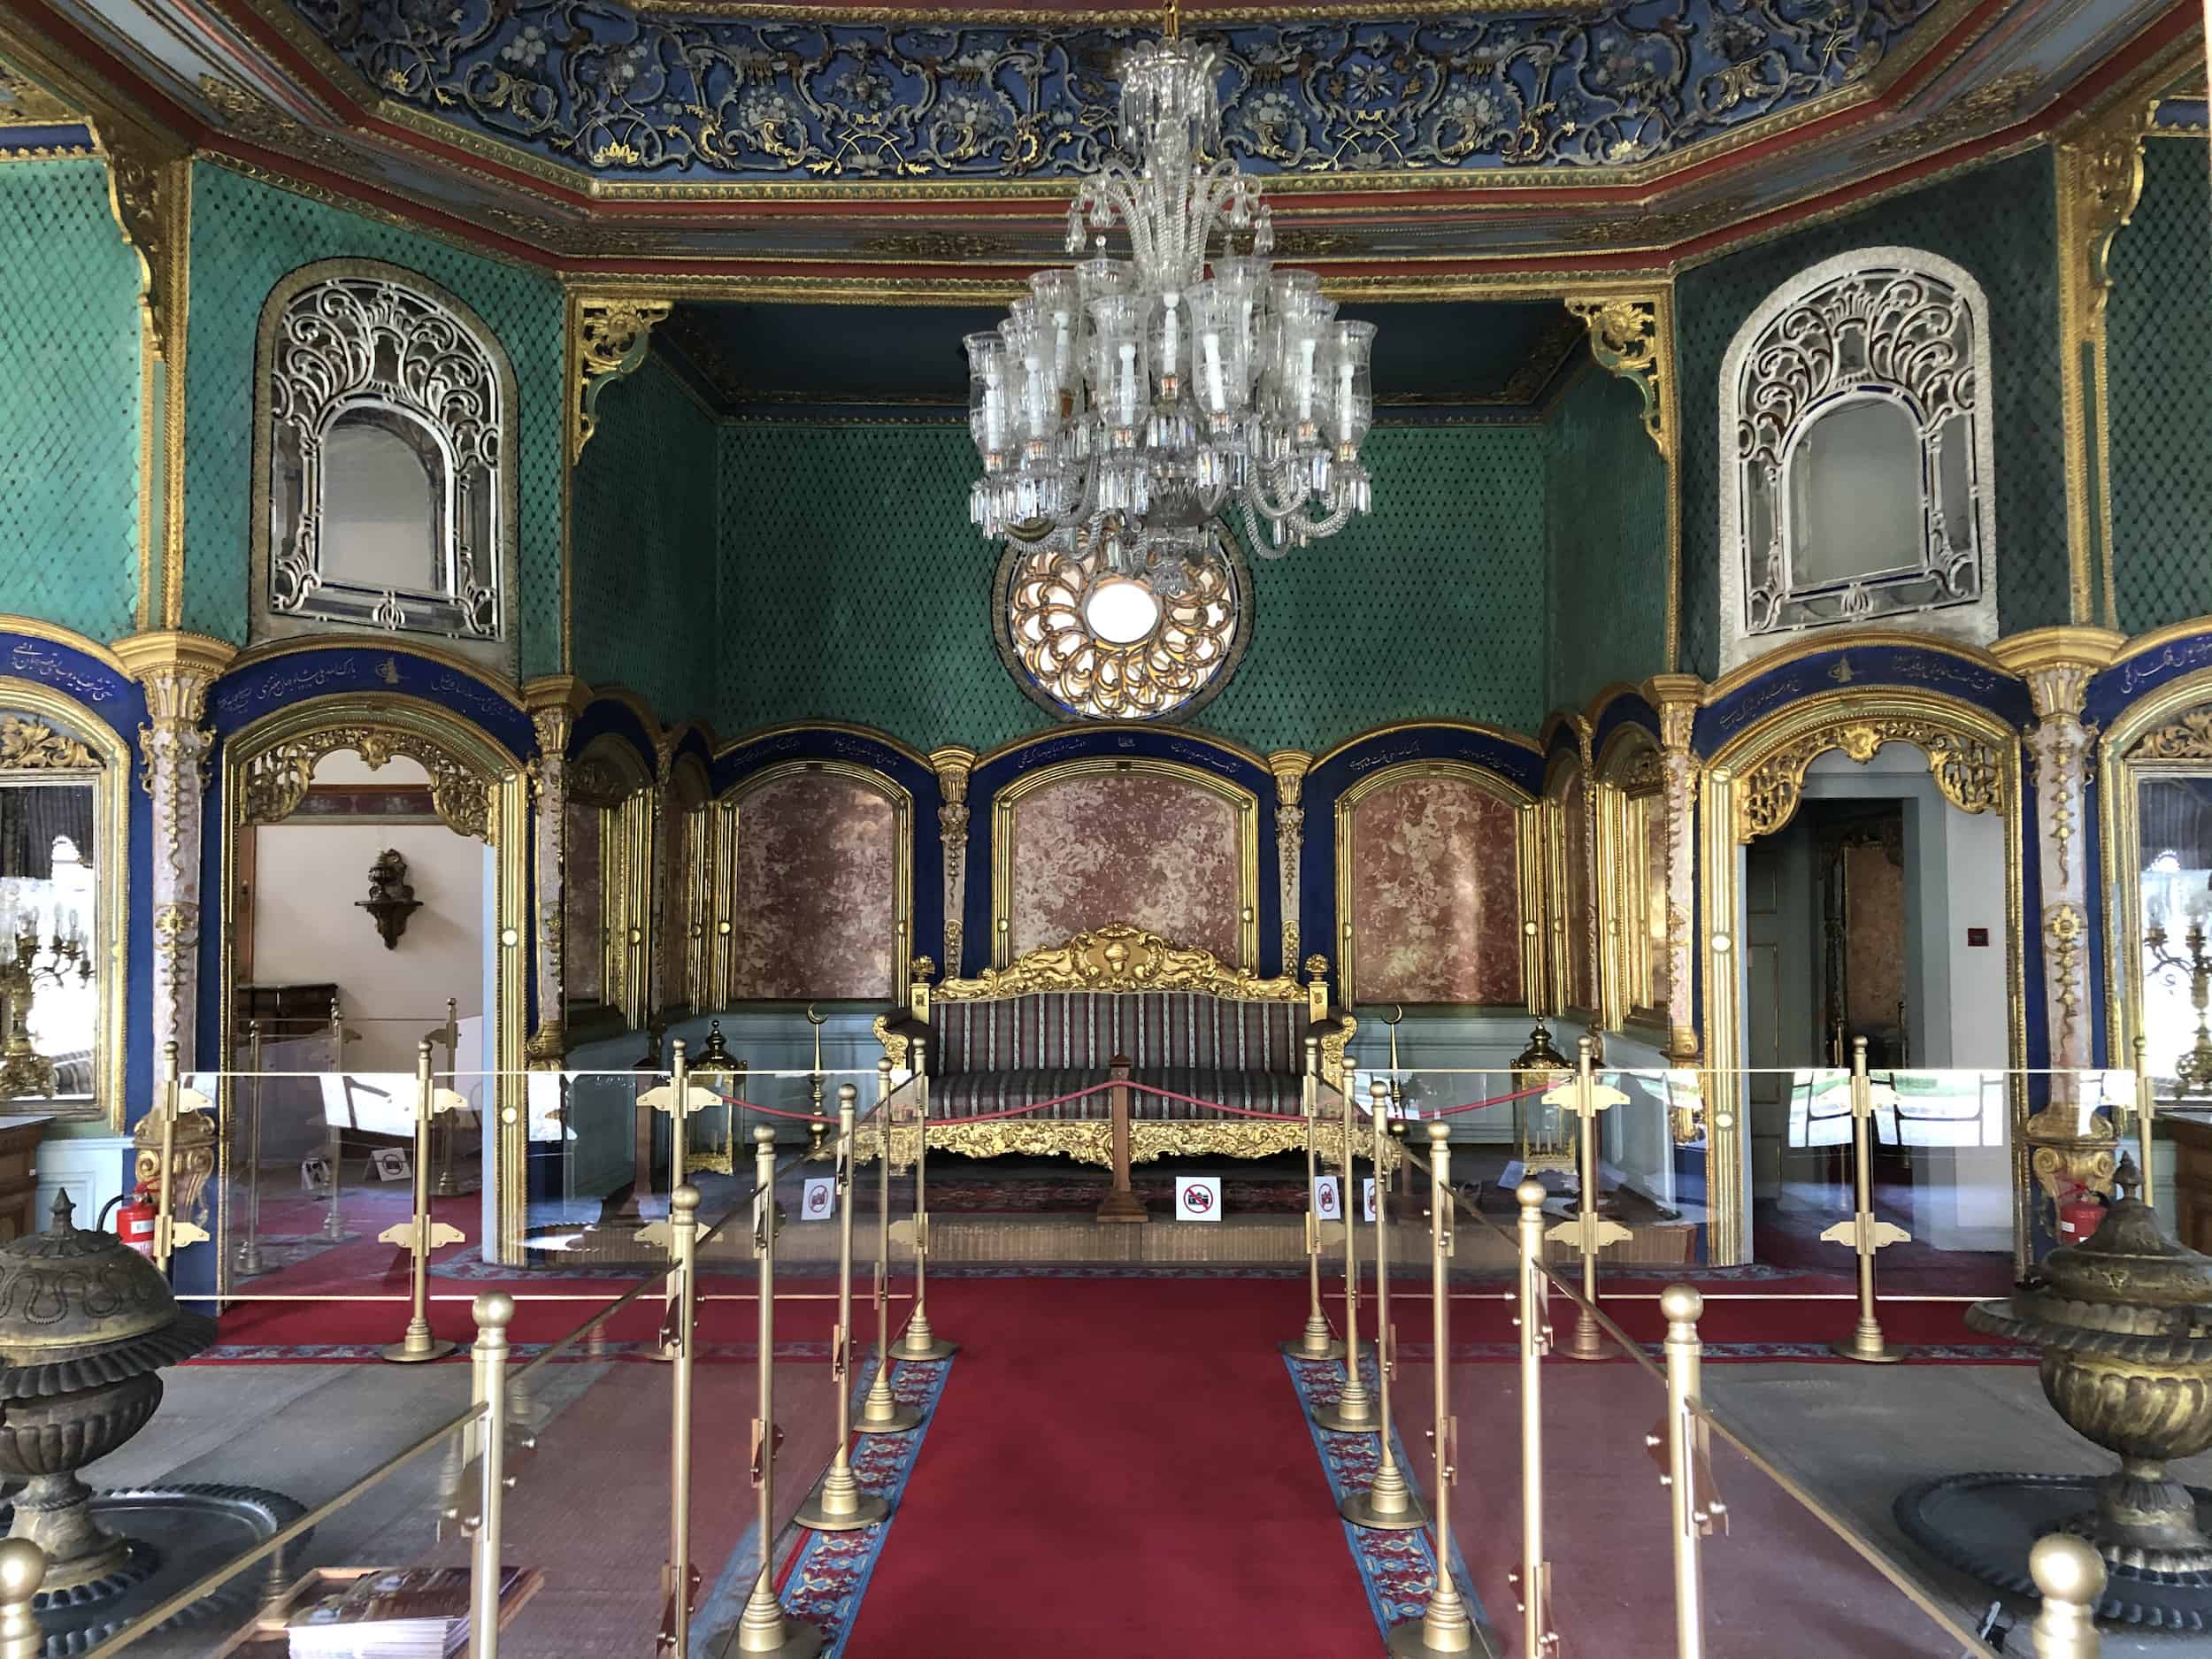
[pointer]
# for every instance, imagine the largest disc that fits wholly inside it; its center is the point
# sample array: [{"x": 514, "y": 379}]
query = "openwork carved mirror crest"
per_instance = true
[
  {"x": 1861, "y": 485},
  {"x": 276, "y": 780},
  {"x": 385, "y": 462}
]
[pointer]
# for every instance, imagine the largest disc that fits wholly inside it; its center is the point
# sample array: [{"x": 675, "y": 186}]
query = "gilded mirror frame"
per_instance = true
[
  {"x": 732, "y": 803},
  {"x": 105, "y": 764},
  {"x": 1630, "y": 788},
  {"x": 1527, "y": 864},
  {"x": 481, "y": 791},
  {"x": 1005, "y": 807},
  {"x": 1753, "y": 787},
  {"x": 2159, "y": 722}
]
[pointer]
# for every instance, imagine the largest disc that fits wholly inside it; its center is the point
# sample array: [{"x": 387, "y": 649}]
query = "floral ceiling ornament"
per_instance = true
[{"x": 658, "y": 94}]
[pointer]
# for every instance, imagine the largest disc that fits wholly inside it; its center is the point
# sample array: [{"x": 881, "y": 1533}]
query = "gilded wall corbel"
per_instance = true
[
  {"x": 177, "y": 671},
  {"x": 953, "y": 764},
  {"x": 554, "y": 703},
  {"x": 1290, "y": 766},
  {"x": 1632, "y": 336},
  {"x": 607, "y": 339},
  {"x": 1678, "y": 698},
  {"x": 2099, "y": 182}
]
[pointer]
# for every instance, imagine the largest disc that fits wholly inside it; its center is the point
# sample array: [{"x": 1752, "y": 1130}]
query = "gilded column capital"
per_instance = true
[
  {"x": 608, "y": 337},
  {"x": 2058, "y": 664},
  {"x": 1678, "y": 698},
  {"x": 1290, "y": 767}
]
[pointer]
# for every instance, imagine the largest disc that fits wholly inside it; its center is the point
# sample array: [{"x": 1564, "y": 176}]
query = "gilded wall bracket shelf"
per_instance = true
[{"x": 609, "y": 337}]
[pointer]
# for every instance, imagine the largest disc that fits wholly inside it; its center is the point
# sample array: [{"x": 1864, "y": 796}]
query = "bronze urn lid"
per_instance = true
[
  {"x": 79, "y": 1308},
  {"x": 2130, "y": 1258}
]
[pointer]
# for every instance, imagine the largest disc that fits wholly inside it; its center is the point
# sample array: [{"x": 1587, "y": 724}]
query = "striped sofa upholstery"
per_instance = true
[{"x": 990, "y": 1056}]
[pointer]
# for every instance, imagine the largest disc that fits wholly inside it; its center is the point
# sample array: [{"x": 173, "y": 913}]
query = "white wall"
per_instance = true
[{"x": 307, "y": 928}]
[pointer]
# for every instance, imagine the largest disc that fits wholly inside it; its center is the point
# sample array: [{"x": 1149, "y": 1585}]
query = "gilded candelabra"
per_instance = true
[
  {"x": 2193, "y": 1071},
  {"x": 23, "y": 1069}
]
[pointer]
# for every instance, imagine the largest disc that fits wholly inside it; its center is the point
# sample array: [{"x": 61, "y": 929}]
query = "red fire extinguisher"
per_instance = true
[
  {"x": 2079, "y": 1216},
  {"x": 134, "y": 1219}
]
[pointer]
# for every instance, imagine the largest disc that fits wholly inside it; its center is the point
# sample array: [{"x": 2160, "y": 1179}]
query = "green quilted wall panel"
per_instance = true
[
  {"x": 1605, "y": 518},
  {"x": 2000, "y": 222},
  {"x": 245, "y": 235},
  {"x": 2158, "y": 363},
  {"x": 644, "y": 546},
  {"x": 854, "y": 589},
  {"x": 69, "y": 437}
]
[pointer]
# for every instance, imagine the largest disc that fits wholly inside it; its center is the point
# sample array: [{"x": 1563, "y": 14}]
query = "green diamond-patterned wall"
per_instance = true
[
  {"x": 2158, "y": 366},
  {"x": 642, "y": 546},
  {"x": 69, "y": 437},
  {"x": 854, "y": 589},
  {"x": 245, "y": 235},
  {"x": 2000, "y": 223},
  {"x": 1605, "y": 517}
]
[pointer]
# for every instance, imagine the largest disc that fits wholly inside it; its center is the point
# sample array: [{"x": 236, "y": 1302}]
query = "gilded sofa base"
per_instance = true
[{"x": 1091, "y": 1140}]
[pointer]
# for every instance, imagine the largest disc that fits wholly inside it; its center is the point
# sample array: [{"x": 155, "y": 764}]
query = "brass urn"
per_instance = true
[
  {"x": 86, "y": 1323},
  {"x": 2125, "y": 1323}
]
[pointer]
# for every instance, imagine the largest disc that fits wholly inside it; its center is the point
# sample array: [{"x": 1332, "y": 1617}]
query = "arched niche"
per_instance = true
[
  {"x": 607, "y": 891},
  {"x": 814, "y": 875},
  {"x": 1437, "y": 861},
  {"x": 477, "y": 789},
  {"x": 1637, "y": 921},
  {"x": 1568, "y": 823},
  {"x": 1753, "y": 787},
  {"x": 64, "y": 904},
  {"x": 1159, "y": 844}
]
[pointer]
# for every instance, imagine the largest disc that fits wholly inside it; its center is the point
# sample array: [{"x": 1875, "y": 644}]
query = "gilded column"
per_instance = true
[
  {"x": 175, "y": 747},
  {"x": 2057, "y": 664},
  {"x": 554, "y": 703},
  {"x": 1677, "y": 697},
  {"x": 1290, "y": 766},
  {"x": 953, "y": 764}
]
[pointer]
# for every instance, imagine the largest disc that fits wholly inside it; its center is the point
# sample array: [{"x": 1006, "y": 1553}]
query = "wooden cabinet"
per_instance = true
[
  {"x": 18, "y": 1177},
  {"x": 2192, "y": 1135}
]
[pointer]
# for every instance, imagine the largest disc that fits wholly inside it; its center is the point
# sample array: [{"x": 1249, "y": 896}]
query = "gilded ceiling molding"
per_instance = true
[
  {"x": 607, "y": 339},
  {"x": 1632, "y": 336},
  {"x": 2099, "y": 182}
]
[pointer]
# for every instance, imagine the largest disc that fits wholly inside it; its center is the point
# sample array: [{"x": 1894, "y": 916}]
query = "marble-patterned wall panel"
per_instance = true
[
  {"x": 1154, "y": 851},
  {"x": 817, "y": 890},
  {"x": 583, "y": 933},
  {"x": 1436, "y": 905}
]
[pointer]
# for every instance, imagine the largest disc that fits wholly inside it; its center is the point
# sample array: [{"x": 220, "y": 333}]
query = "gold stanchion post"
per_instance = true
[
  {"x": 1863, "y": 1233},
  {"x": 881, "y": 1413},
  {"x": 920, "y": 1342},
  {"x": 1353, "y": 1412},
  {"x": 1316, "y": 1342},
  {"x": 419, "y": 1233},
  {"x": 2145, "y": 1114},
  {"x": 1694, "y": 1506},
  {"x": 22, "y": 1570},
  {"x": 2069, "y": 1575},
  {"x": 334, "y": 1225},
  {"x": 1444, "y": 1628},
  {"x": 449, "y": 1034},
  {"x": 765, "y": 1627},
  {"x": 679, "y": 1580},
  {"x": 172, "y": 1233},
  {"x": 814, "y": 1083},
  {"x": 680, "y": 1097},
  {"x": 489, "y": 1359},
  {"x": 1532, "y": 1582},
  {"x": 249, "y": 1261},
  {"x": 1389, "y": 1503},
  {"x": 1588, "y": 1233},
  {"x": 839, "y": 1505}
]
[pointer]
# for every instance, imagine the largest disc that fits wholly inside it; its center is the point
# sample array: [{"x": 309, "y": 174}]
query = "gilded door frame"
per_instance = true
[
  {"x": 732, "y": 804},
  {"x": 2121, "y": 828},
  {"x": 414, "y": 727},
  {"x": 1752, "y": 786},
  {"x": 1008, "y": 799},
  {"x": 1527, "y": 859},
  {"x": 109, "y": 776}
]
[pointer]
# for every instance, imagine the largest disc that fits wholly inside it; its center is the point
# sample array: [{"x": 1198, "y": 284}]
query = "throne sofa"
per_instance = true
[{"x": 1057, "y": 1019}]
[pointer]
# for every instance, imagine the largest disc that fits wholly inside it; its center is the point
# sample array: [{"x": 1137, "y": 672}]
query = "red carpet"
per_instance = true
[{"x": 1118, "y": 1468}]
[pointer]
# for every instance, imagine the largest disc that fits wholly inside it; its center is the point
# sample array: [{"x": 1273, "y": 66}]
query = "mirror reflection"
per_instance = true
[{"x": 48, "y": 963}]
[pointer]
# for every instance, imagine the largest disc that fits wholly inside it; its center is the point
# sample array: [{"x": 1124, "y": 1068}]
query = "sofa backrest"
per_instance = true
[{"x": 1054, "y": 1030}]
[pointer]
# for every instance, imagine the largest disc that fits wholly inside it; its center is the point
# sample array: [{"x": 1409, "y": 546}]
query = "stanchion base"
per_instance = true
[
  {"x": 1849, "y": 1349},
  {"x": 400, "y": 1354},
  {"x": 1297, "y": 1349},
  {"x": 906, "y": 1420},
  {"x": 1328, "y": 1418},
  {"x": 1411, "y": 1641},
  {"x": 1359, "y": 1509},
  {"x": 801, "y": 1640},
  {"x": 936, "y": 1347},
  {"x": 871, "y": 1508}
]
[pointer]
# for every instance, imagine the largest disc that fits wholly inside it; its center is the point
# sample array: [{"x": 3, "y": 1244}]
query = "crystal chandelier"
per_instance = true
[{"x": 1123, "y": 403}]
